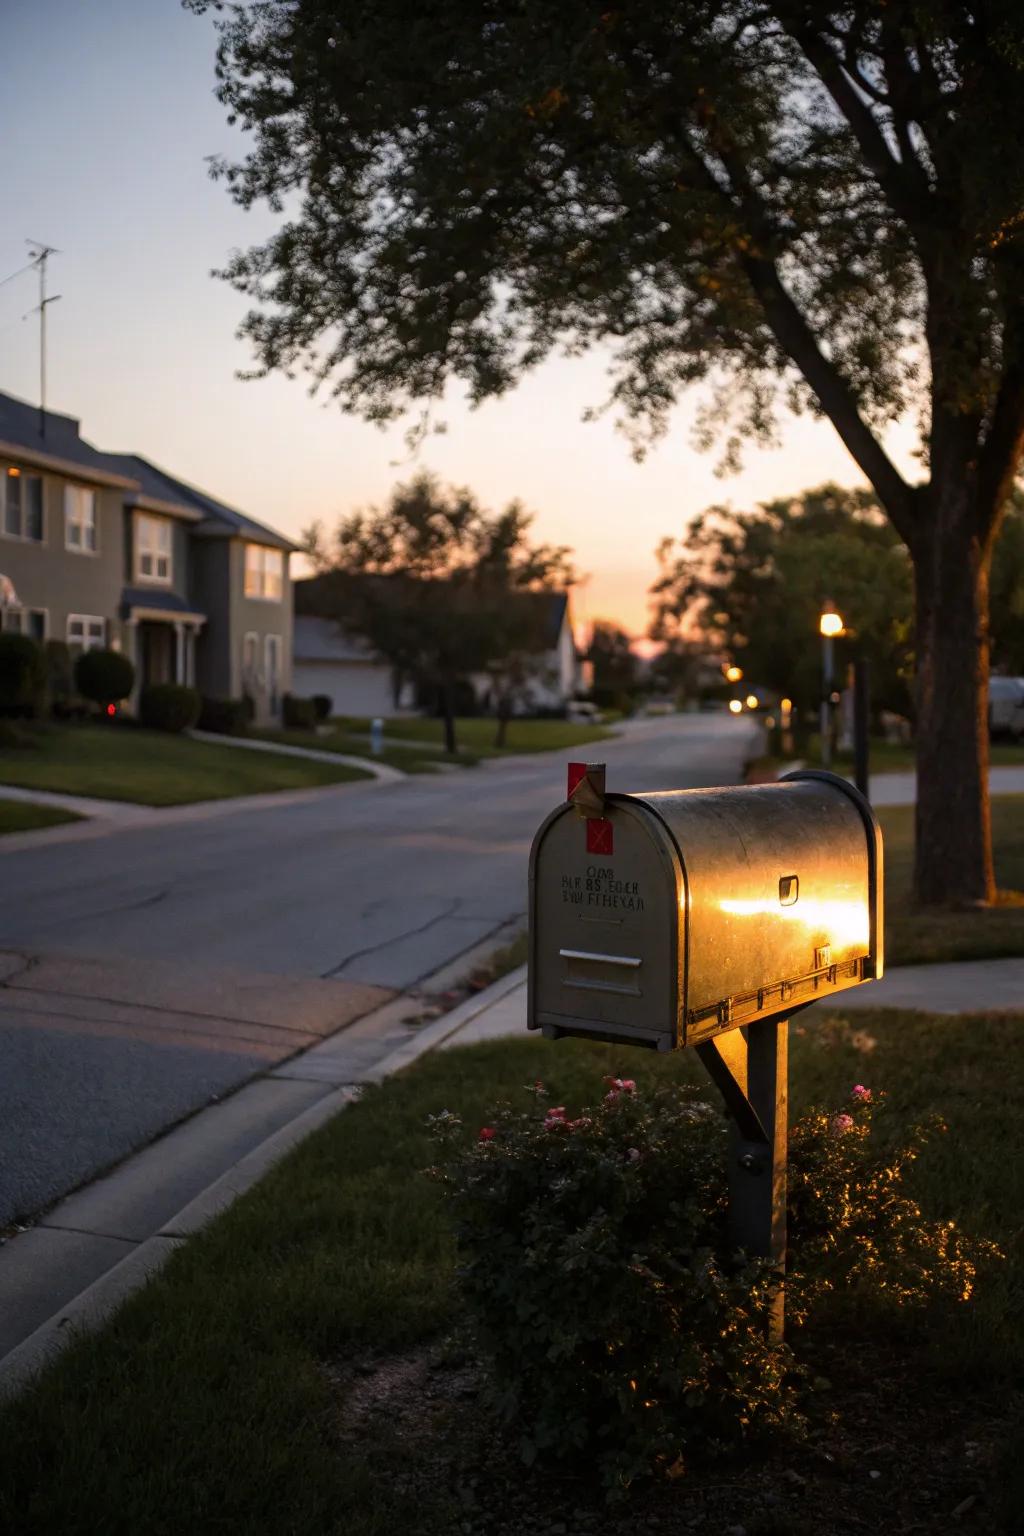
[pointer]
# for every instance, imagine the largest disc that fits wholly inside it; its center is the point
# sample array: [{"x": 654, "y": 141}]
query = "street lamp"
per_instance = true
[
  {"x": 735, "y": 707},
  {"x": 733, "y": 674},
  {"x": 751, "y": 700},
  {"x": 830, "y": 624}
]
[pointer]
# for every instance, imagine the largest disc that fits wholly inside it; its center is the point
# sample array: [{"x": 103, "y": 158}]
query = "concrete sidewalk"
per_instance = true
[
  {"x": 383, "y": 772},
  {"x": 974, "y": 986}
]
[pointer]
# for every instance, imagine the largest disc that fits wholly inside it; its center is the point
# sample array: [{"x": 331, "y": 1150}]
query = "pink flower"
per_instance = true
[
  {"x": 555, "y": 1116},
  {"x": 578, "y": 1125},
  {"x": 487, "y": 1133},
  {"x": 618, "y": 1086},
  {"x": 633, "y": 1155},
  {"x": 860, "y": 1093},
  {"x": 841, "y": 1124}
]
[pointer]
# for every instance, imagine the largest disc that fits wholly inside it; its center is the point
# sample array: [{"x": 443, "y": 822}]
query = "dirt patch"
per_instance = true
[{"x": 895, "y": 1455}]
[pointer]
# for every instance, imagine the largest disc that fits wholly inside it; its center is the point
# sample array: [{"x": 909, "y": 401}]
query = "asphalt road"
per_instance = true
[{"x": 151, "y": 968}]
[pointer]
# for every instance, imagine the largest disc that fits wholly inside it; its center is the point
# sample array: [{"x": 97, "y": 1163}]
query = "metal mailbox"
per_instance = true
[{"x": 665, "y": 919}]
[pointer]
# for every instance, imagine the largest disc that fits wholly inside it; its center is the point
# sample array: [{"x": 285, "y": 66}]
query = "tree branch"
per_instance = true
[
  {"x": 899, "y": 182},
  {"x": 837, "y": 400}
]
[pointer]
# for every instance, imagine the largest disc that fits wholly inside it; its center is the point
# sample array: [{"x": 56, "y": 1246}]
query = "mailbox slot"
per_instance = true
[{"x": 602, "y": 973}]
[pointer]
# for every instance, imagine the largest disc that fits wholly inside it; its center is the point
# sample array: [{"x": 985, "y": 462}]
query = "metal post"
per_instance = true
[
  {"x": 749, "y": 1067},
  {"x": 826, "y": 701},
  {"x": 861, "y": 698}
]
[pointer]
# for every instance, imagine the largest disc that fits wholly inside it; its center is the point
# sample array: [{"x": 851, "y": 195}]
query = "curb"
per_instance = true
[{"x": 94, "y": 1305}]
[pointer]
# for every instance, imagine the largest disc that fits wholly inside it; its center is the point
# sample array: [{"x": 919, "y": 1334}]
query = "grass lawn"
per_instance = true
[
  {"x": 476, "y": 734},
  {"x": 153, "y": 768},
  {"x": 19, "y": 816},
  {"x": 226, "y": 1395},
  {"x": 893, "y": 757},
  {"x": 919, "y": 937},
  {"x": 408, "y": 759}
]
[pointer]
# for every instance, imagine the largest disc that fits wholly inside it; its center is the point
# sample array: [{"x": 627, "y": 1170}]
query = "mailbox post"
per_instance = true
[{"x": 706, "y": 918}]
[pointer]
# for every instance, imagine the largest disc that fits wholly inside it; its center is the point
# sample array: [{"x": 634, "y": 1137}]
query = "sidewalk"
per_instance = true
[
  {"x": 901, "y": 788},
  {"x": 381, "y": 771}
]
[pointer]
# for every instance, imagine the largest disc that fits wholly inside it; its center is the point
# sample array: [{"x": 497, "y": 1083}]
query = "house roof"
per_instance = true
[
  {"x": 62, "y": 447},
  {"x": 215, "y": 519},
  {"x": 315, "y": 597},
  {"x": 316, "y": 639},
  {"x": 153, "y": 598}
]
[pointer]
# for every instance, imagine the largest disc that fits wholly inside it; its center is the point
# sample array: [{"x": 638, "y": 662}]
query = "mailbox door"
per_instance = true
[{"x": 605, "y": 955}]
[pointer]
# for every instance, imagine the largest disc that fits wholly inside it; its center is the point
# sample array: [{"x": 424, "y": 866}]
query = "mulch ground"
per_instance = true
[{"x": 894, "y": 1455}]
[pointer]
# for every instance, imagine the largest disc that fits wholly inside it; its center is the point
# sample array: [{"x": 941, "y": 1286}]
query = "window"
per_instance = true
[
  {"x": 26, "y": 621},
  {"x": 264, "y": 572},
  {"x": 273, "y": 651},
  {"x": 80, "y": 519},
  {"x": 23, "y": 506},
  {"x": 153, "y": 549},
  {"x": 86, "y": 632}
]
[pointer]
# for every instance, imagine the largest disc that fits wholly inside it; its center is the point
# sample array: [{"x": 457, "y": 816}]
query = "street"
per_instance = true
[{"x": 149, "y": 969}]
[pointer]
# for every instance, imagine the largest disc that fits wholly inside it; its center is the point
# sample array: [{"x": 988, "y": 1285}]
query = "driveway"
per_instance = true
[{"x": 154, "y": 967}]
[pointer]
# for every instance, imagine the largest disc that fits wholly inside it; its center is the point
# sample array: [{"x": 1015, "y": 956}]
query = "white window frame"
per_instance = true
[
  {"x": 20, "y": 615},
  {"x": 154, "y": 546},
  {"x": 264, "y": 573},
  {"x": 13, "y": 473},
  {"x": 80, "y": 517},
  {"x": 273, "y": 677},
  {"x": 93, "y": 636}
]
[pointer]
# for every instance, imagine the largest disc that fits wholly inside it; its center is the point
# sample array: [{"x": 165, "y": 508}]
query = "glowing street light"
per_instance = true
[
  {"x": 752, "y": 701},
  {"x": 735, "y": 707},
  {"x": 733, "y": 674},
  {"x": 830, "y": 625}
]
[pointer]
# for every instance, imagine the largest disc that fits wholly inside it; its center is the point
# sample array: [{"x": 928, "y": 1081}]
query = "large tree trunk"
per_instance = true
[{"x": 953, "y": 838}]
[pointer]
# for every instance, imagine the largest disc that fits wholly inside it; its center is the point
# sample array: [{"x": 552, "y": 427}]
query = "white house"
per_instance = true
[{"x": 326, "y": 660}]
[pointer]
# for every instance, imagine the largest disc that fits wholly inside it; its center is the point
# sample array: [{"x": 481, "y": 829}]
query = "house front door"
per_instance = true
[{"x": 156, "y": 654}]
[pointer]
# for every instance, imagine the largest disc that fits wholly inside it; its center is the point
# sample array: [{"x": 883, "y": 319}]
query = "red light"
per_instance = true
[{"x": 111, "y": 709}]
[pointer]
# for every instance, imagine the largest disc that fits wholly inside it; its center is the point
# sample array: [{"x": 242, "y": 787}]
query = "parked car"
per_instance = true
[{"x": 1006, "y": 707}]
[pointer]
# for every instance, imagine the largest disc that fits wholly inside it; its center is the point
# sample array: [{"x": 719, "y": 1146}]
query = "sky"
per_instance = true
[{"x": 107, "y": 119}]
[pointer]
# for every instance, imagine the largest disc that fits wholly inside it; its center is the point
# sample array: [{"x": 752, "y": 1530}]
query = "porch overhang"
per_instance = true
[{"x": 140, "y": 605}]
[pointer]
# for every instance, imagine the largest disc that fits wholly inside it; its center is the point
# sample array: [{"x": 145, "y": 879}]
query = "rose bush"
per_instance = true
[{"x": 596, "y": 1272}]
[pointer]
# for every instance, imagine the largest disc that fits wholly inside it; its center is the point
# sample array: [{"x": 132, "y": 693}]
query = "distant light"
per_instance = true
[
  {"x": 111, "y": 709},
  {"x": 735, "y": 707},
  {"x": 769, "y": 721},
  {"x": 752, "y": 701},
  {"x": 733, "y": 674},
  {"x": 14, "y": 473},
  {"x": 785, "y": 705},
  {"x": 830, "y": 624}
]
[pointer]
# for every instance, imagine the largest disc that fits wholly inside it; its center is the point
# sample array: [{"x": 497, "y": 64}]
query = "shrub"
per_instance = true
[
  {"x": 104, "y": 677},
  {"x": 22, "y": 676},
  {"x": 228, "y": 717},
  {"x": 595, "y": 1269},
  {"x": 322, "y": 706},
  {"x": 169, "y": 707},
  {"x": 298, "y": 714},
  {"x": 598, "y": 1277}
]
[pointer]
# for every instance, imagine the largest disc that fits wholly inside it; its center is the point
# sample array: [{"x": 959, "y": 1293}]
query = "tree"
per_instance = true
[
  {"x": 610, "y": 652},
  {"x": 753, "y": 584},
  {"x": 437, "y": 586},
  {"x": 787, "y": 199}
]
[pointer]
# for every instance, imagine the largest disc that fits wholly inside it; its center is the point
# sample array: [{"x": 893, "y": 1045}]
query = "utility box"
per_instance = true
[{"x": 665, "y": 919}]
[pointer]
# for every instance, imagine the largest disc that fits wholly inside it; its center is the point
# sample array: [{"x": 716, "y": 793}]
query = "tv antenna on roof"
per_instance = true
[{"x": 39, "y": 251}]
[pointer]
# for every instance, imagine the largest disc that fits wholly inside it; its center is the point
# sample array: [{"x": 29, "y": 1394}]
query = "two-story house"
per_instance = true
[{"x": 105, "y": 549}]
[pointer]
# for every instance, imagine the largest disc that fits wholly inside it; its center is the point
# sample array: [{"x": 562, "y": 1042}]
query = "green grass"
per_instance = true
[
  {"x": 348, "y": 744},
  {"x": 477, "y": 734},
  {"x": 914, "y": 937},
  {"x": 153, "y": 768},
  {"x": 19, "y": 816},
  {"x": 892, "y": 756},
  {"x": 207, "y": 1403}
]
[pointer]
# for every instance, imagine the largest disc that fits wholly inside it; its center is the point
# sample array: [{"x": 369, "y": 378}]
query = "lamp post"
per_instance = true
[{"x": 830, "y": 624}]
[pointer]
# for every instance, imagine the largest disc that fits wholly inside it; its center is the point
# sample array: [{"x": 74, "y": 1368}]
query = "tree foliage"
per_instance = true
[
  {"x": 753, "y": 584},
  {"x": 439, "y": 587},
  {"x": 791, "y": 201}
]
